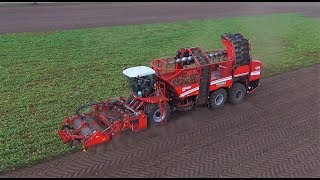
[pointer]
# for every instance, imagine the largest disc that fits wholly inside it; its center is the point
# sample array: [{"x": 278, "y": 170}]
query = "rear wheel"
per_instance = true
[
  {"x": 237, "y": 93},
  {"x": 154, "y": 114},
  {"x": 218, "y": 98}
]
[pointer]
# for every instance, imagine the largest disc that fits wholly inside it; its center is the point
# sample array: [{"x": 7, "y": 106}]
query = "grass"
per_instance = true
[{"x": 45, "y": 76}]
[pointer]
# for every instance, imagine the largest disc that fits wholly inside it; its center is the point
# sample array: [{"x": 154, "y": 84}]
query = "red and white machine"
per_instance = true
[{"x": 189, "y": 79}]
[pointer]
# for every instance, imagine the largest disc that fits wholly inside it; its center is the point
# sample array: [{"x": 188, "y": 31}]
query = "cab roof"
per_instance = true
[{"x": 138, "y": 71}]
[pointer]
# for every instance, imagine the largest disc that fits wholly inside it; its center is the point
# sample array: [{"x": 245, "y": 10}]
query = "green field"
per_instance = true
[{"x": 46, "y": 76}]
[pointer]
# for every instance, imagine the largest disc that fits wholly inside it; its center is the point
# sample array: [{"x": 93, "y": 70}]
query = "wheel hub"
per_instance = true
[
  {"x": 238, "y": 95},
  {"x": 219, "y": 99},
  {"x": 157, "y": 117}
]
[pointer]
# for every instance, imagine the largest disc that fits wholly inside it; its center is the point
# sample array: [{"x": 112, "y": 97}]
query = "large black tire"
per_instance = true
[
  {"x": 237, "y": 93},
  {"x": 153, "y": 113},
  {"x": 218, "y": 98}
]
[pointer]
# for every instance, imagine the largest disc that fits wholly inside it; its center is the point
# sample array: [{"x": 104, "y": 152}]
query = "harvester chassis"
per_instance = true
[{"x": 192, "y": 78}]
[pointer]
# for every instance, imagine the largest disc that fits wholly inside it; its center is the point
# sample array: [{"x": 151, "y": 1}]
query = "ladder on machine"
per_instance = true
[{"x": 202, "y": 97}]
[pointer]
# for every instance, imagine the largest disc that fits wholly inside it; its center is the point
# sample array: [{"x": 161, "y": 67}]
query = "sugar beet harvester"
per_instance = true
[{"x": 192, "y": 78}]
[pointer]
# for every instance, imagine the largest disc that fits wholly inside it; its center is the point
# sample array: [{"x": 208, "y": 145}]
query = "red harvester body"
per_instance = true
[{"x": 192, "y": 78}]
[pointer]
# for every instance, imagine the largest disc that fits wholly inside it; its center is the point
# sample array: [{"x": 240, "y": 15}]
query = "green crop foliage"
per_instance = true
[{"x": 46, "y": 76}]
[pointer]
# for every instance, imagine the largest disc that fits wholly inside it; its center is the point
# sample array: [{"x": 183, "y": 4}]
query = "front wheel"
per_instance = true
[
  {"x": 218, "y": 98},
  {"x": 237, "y": 93},
  {"x": 154, "y": 114}
]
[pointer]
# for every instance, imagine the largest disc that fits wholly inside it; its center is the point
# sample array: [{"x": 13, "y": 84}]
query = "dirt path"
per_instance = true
[
  {"x": 60, "y": 16},
  {"x": 274, "y": 133}
]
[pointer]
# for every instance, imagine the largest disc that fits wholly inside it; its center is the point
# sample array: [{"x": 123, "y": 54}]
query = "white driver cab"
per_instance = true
[{"x": 140, "y": 80}]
